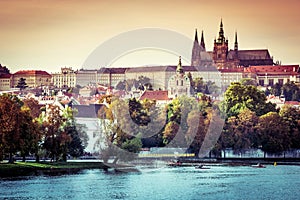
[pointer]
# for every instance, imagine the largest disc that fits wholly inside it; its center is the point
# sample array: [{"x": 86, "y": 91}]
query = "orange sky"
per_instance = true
[{"x": 48, "y": 34}]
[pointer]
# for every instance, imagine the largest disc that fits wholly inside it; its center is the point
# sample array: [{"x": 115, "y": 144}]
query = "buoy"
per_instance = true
[{"x": 275, "y": 164}]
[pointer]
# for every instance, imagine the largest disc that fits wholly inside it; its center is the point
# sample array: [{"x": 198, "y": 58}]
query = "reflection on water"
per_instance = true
[{"x": 218, "y": 182}]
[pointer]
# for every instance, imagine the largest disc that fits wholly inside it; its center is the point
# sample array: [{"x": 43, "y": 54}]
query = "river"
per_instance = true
[{"x": 218, "y": 182}]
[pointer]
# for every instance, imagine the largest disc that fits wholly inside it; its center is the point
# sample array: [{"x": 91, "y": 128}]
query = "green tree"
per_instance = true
[
  {"x": 239, "y": 97},
  {"x": 22, "y": 84},
  {"x": 276, "y": 89},
  {"x": 243, "y": 129},
  {"x": 117, "y": 132},
  {"x": 248, "y": 81},
  {"x": 54, "y": 122},
  {"x": 291, "y": 91},
  {"x": 273, "y": 133},
  {"x": 291, "y": 116}
]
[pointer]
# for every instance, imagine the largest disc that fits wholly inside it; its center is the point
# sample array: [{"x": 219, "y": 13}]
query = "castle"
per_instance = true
[{"x": 224, "y": 58}]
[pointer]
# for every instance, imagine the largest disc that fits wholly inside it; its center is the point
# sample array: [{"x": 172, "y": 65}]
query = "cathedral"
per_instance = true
[{"x": 224, "y": 58}]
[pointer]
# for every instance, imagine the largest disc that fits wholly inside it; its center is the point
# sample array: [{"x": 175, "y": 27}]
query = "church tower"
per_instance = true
[
  {"x": 202, "y": 43},
  {"x": 196, "y": 51},
  {"x": 236, "y": 48},
  {"x": 179, "y": 84},
  {"x": 220, "y": 51}
]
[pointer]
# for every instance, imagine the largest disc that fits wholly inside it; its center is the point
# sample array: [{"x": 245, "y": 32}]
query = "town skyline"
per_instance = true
[{"x": 43, "y": 35}]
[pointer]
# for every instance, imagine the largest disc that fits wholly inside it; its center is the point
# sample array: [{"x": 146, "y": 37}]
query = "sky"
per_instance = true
[{"x": 50, "y": 34}]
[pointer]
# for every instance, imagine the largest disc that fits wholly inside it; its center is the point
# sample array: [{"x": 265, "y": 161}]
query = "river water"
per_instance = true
[{"x": 218, "y": 182}]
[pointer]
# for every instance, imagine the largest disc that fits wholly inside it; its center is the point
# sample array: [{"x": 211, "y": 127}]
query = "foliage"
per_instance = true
[
  {"x": 142, "y": 83},
  {"x": 291, "y": 91},
  {"x": 19, "y": 130},
  {"x": 291, "y": 116},
  {"x": 239, "y": 97},
  {"x": 22, "y": 84},
  {"x": 273, "y": 132}
]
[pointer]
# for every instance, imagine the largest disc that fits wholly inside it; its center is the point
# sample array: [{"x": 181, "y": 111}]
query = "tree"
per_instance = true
[
  {"x": 197, "y": 130},
  {"x": 119, "y": 135},
  {"x": 291, "y": 116},
  {"x": 10, "y": 131},
  {"x": 243, "y": 130},
  {"x": 170, "y": 132},
  {"x": 291, "y": 91},
  {"x": 239, "y": 97},
  {"x": 248, "y": 81},
  {"x": 54, "y": 121},
  {"x": 30, "y": 133},
  {"x": 22, "y": 84},
  {"x": 34, "y": 107},
  {"x": 273, "y": 133},
  {"x": 276, "y": 89}
]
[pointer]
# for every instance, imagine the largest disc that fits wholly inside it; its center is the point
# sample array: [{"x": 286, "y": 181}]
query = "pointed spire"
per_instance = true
[
  {"x": 202, "y": 43},
  {"x": 196, "y": 36},
  {"x": 179, "y": 66},
  {"x": 236, "y": 42},
  {"x": 221, "y": 33}
]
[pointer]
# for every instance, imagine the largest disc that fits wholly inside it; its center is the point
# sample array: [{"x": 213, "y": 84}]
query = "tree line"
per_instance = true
[
  {"x": 248, "y": 122},
  {"x": 29, "y": 129}
]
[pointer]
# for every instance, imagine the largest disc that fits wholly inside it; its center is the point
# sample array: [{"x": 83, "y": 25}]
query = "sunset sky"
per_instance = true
[{"x": 49, "y": 34}]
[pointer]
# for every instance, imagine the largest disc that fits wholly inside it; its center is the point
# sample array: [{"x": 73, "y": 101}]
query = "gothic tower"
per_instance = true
[
  {"x": 220, "y": 51},
  {"x": 196, "y": 51},
  {"x": 202, "y": 43}
]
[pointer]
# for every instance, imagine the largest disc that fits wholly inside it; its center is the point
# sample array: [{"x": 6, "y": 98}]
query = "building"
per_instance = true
[
  {"x": 269, "y": 75},
  {"x": 5, "y": 78},
  {"x": 179, "y": 84},
  {"x": 86, "y": 77},
  {"x": 229, "y": 75},
  {"x": 223, "y": 57},
  {"x": 110, "y": 76},
  {"x": 64, "y": 79},
  {"x": 34, "y": 78},
  {"x": 160, "y": 96},
  {"x": 5, "y": 82}
]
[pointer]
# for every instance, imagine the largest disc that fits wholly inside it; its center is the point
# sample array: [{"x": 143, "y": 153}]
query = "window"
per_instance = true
[
  {"x": 271, "y": 82},
  {"x": 261, "y": 82},
  {"x": 181, "y": 82},
  {"x": 280, "y": 82}
]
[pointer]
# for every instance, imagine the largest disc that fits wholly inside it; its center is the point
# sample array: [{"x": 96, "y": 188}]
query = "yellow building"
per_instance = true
[
  {"x": 34, "y": 78},
  {"x": 5, "y": 82}
]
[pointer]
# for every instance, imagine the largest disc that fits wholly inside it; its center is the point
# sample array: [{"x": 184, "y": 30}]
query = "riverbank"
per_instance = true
[{"x": 46, "y": 168}]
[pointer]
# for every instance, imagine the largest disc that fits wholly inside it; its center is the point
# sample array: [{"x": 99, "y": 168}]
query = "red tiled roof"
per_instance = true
[
  {"x": 32, "y": 72},
  {"x": 273, "y": 69},
  {"x": 155, "y": 95},
  {"x": 5, "y": 75}
]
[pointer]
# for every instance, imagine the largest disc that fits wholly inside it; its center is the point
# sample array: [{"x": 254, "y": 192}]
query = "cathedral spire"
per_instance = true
[
  {"x": 221, "y": 33},
  {"x": 196, "y": 36},
  {"x": 202, "y": 43},
  {"x": 179, "y": 66},
  {"x": 236, "y": 42}
]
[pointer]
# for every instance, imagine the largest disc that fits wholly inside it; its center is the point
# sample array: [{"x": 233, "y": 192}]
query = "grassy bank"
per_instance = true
[{"x": 55, "y": 168}]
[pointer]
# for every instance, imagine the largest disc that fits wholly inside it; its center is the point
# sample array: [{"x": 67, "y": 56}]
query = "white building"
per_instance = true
[{"x": 64, "y": 79}]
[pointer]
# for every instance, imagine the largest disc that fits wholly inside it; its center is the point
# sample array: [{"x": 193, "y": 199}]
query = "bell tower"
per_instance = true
[{"x": 220, "y": 51}]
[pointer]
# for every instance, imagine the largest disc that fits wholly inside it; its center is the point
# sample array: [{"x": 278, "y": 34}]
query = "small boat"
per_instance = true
[
  {"x": 258, "y": 166},
  {"x": 201, "y": 167},
  {"x": 174, "y": 164}
]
